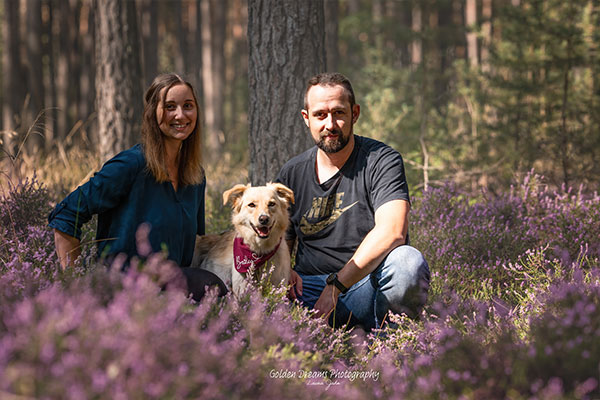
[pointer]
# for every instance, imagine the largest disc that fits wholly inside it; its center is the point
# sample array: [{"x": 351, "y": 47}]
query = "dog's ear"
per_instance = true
[
  {"x": 283, "y": 191},
  {"x": 234, "y": 194}
]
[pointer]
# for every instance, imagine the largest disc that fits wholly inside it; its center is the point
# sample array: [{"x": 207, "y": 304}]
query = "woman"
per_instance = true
[{"x": 159, "y": 182}]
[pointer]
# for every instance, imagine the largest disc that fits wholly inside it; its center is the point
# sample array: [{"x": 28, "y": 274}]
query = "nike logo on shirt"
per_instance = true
[{"x": 310, "y": 229}]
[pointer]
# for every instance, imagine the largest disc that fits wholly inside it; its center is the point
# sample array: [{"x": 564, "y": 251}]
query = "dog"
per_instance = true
[{"x": 260, "y": 219}]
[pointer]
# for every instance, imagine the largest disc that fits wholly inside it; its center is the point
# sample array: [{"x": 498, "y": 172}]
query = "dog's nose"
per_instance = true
[{"x": 263, "y": 219}]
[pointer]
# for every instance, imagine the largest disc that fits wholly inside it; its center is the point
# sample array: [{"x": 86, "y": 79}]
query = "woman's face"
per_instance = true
[{"x": 178, "y": 114}]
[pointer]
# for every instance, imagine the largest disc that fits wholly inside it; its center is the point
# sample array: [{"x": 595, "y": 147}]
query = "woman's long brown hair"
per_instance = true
[{"x": 190, "y": 155}]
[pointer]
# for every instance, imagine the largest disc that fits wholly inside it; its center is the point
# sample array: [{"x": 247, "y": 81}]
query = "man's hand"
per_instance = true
[
  {"x": 295, "y": 285},
  {"x": 327, "y": 301}
]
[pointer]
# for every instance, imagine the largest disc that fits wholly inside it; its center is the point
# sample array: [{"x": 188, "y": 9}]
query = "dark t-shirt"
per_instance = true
[{"x": 331, "y": 219}]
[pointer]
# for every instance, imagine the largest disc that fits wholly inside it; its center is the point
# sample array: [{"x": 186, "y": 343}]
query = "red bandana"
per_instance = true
[{"x": 243, "y": 257}]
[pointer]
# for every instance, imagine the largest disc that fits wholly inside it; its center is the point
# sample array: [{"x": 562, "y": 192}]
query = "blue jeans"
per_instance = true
[{"x": 399, "y": 284}]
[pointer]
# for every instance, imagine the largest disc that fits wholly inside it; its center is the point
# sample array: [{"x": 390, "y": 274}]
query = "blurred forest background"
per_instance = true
[{"x": 473, "y": 91}]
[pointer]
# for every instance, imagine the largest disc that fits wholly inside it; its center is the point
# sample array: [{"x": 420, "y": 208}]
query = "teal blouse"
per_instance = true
[{"x": 124, "y": 195}]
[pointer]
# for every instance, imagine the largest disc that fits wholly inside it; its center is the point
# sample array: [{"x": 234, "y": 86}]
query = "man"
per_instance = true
[{"x": 350, "y": 219}]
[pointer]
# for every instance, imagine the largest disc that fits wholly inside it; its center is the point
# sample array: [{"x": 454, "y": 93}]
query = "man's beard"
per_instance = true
[{"x": 333, "y": 146}]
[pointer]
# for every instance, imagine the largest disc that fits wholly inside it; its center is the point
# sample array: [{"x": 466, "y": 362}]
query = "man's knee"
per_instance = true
[
  {"x": 404, "y": 281},
  {"x": 406, "y": 263}
]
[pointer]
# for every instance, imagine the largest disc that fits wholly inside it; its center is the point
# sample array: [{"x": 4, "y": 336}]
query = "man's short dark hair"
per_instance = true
[{"x": 330, "y": 79}]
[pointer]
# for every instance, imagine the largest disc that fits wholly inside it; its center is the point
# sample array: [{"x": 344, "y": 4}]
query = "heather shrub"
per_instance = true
[
  {"x": 113, "y": 335},
  {"x": 513, "y": 313},
  {"x": 26, "y": 246},
  {"x": 499, "y": 246},
  {"x": 564, "y": 340},
  {"x": 475, "y": 350},
  {"x": 23, "y": 205}
]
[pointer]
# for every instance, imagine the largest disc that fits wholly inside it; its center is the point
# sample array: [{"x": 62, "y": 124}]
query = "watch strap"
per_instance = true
[{"x": 333, "y": 279}]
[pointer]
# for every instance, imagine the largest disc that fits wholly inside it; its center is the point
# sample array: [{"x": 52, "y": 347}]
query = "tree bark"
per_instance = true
[
  {"x": 149, "y": 31},
  {"x": 35, "y": 77},
  {"x": 471, "y": 22},
  {"x": 458, "y": 21},
  {"x": 287, "y": 46},
  {"x": 118, "y": 76},
  {"x": 12, "y": 80},
  {"x": 62, "y": 70},
  {"x": 377, "y": 33},
  {"x": 431, "y": 51},
  {"x": 331, "y": 34},
  {"x": 595, "y": 87},
  {"x": 353, "y": 6},
  {"x": 193, "y": 42},
  {"x": 48, "y": 17},
  {"x": 180, "y": 28},
  {"x": 486, "y": 33},
  {"x": 213, "y": 74},
  {"x": 87, "y": 65},
  {"x": 237, "y": 81},
  {"x": 416, "y": 52}
]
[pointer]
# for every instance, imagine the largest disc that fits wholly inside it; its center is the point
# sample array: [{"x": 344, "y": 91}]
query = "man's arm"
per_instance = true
[
  {"x": 389, "y": 232},
  {"x": 295, "y": 282}
]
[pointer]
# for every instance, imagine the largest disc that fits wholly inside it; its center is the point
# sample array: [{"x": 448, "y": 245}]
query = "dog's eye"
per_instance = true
[
  {"x": 251, "y": 205},
  {"x": 271, "y": 204}
]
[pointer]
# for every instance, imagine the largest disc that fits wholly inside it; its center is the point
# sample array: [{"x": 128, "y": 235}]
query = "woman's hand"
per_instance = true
[{"x": 68, "y": 248}]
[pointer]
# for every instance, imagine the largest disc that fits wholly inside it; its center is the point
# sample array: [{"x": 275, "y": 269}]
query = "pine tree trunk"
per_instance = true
[
  {"x": 181, "y": 60},
  {"x": 237, "y": 80},
  {"x": 353, "y": 6},
  {"x": 35, "y": 78},
  {"x": 595, "y": 87},
  {"x": 213, "y": 74},
  {"x": 458, "y": 21},
  {"x": 12, "y": 83},
  {"x": 431, "y": 50},
  {"x": 486, "y": 32},
  {"x": 74, "y": 43},
  {"x": 287, "y": 46},
  {"x": 118, "y": 77},
  {"x": 87, "y": 64},
  {"x": 377, "y": 32},
  {"x": 471, "y": 22},
  {"x": 149, "y": 31},
  {"x": 331, "y": 34},
  {"x": 49, "y": 81},
  {"x": 193, "y": 41},
  {"x": 61, "y": 48},
  {"x": 416, "y": 51}
]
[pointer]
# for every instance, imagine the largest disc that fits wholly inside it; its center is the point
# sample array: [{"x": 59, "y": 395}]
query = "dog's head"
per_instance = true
[{"x": 260, "y": 212}]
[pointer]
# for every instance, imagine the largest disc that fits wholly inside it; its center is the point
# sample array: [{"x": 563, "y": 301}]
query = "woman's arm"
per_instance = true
[{"x": 68, "y": 248}]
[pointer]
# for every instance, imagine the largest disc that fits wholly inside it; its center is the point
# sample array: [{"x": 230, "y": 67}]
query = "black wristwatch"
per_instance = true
[{"x": 333, "y": 280}]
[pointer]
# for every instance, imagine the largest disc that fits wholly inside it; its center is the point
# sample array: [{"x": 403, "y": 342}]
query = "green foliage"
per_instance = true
[
  {"x": 539, "y": 89},
  {"x": 533, "y": 103}
]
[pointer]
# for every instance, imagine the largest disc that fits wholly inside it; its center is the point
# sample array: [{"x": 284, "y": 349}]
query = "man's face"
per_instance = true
[{"x": 330, "y": 117}]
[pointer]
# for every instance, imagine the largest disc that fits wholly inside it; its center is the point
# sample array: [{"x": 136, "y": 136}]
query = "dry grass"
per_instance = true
[
  {"x": 59, "y": 173},
  {"x": 220, "y": 177},
  {"x": 64, "y": 170}
]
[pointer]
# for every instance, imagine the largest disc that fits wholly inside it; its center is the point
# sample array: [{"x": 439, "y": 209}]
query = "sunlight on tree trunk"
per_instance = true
[
  {"x": 416, "y": 46},
  {"x": 471, "y": 26}
]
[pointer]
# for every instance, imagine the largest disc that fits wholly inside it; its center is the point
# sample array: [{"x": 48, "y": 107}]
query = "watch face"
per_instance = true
[{"x": 331, "y": 278}]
